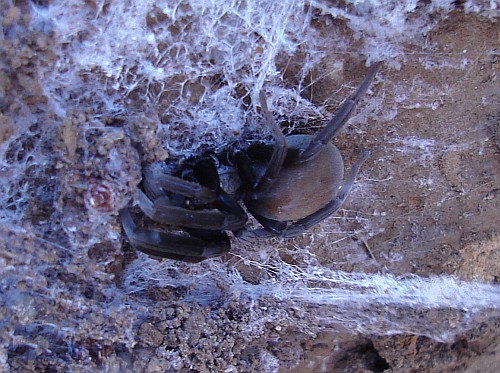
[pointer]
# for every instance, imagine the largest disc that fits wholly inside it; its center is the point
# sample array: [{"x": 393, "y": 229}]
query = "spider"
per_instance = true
[{"x": 288, "y": 186}]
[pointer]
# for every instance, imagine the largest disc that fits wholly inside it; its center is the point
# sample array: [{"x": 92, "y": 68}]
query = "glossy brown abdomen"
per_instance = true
[{"x": 302, "y": 188}]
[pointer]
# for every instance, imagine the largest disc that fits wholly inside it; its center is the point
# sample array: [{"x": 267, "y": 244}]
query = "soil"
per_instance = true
[{"x": 426, "y": 203}]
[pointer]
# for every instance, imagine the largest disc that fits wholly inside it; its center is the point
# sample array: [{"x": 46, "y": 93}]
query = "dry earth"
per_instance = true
[{"x": 427, "y": 203}]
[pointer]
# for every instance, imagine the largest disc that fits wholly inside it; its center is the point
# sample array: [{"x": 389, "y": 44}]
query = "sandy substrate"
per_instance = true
[{"x": 75, "y": 297}]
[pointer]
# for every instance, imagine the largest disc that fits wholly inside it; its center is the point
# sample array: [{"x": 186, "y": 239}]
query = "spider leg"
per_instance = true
[
  {"x": 172, "y": 246},
  {"x": 292, "y": 229},
  {"x": 275, "y": 227},
  {"x": 155, "y": 185},
  {"x": 226, "y": 213},
  {"x": 206, "y": 173},
  {"x": 341, "y": 117},
  {"x": 249, "y": 172},
  {"x": 280, "y": 148},
  {"x": 206, "y": 189},
  {"x": 161, "y": 211},
  {"x": 261, "y": 184}
]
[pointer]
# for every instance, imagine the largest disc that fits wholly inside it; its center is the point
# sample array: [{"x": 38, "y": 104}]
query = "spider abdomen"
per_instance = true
[{"x": 302, "y": 188}]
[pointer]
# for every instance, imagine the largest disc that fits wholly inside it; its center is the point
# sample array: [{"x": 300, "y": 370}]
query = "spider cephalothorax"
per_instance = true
[{"x": 288, "y": 186}]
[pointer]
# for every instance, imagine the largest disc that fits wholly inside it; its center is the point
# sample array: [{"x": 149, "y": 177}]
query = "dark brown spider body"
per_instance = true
[
  {"x": 288, "y": 186},
  {"x": 319, "y": 178}
]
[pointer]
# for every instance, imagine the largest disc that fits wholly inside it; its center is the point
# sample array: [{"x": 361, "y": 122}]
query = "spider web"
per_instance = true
[{"x": 185, "y": 71}]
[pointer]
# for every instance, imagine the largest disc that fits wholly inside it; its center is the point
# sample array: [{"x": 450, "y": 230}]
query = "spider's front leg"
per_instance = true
[
  {"x": 206, "y": 213},
  {"x": 218, "y": 211},
  {"x": 174, "y": 246}
]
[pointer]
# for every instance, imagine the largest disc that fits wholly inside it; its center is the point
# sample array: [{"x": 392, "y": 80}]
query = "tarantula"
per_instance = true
[{"x": 288, "y": 186}]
